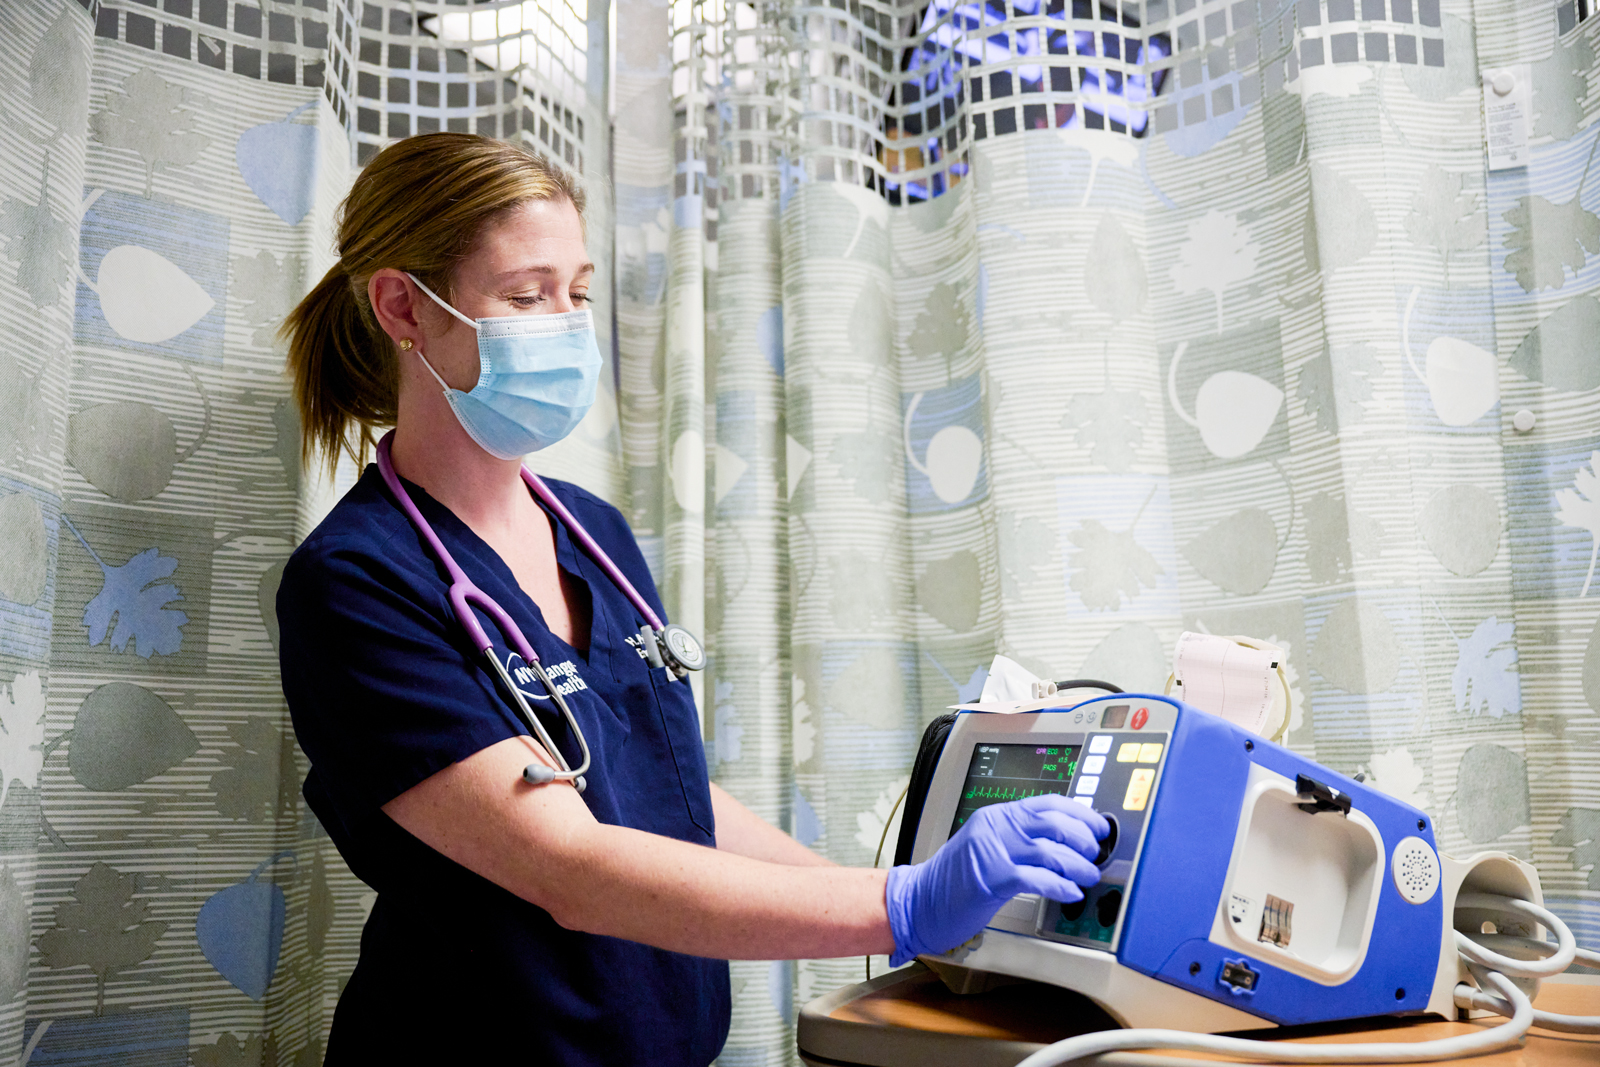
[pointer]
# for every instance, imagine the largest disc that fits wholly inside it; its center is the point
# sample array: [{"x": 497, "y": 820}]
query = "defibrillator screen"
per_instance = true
[{"x": 1010, "y": 772}]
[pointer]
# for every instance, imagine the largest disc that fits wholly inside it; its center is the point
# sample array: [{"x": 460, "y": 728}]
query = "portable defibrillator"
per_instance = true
[{"x": 1242, "y": 886}]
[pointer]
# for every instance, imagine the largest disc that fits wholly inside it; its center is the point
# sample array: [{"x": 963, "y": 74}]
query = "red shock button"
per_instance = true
[{"x": 1140, "y": 717}]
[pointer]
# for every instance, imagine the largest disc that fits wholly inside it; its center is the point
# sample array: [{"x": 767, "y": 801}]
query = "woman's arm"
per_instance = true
[
  {"x": 542, "y": 843},
  {"x": 744, "y": 833}
]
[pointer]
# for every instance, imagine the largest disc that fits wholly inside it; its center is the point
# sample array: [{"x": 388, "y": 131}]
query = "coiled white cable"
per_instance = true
[
  {"x": 1544, "y": 948},
  {"x": 1545, "y": 1020},
  {"x": 1560, "y": 960},
  {"x": 1503, "y": 997},
  {"x": 1474, "y": 1044},
  {"x": 1569, "y": 1024}
]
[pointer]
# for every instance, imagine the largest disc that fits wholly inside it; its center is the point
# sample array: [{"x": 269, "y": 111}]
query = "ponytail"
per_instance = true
[
  {"x": 419, "y": 205},
  {"x": 345, "y": 380}
]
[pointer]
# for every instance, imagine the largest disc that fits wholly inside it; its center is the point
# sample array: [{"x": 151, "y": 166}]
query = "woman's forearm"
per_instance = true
[
  {"x": 542, "y": 843},
  {"x": 744, "y": 833},
  {"x": 706, "y": 902}
]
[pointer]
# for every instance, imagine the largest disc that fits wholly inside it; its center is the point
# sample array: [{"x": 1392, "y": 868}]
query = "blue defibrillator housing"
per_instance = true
[{"x": 1243, "y": 886}]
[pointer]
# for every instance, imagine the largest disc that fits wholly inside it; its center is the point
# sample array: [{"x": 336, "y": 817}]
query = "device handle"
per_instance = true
[{"x": 928, "y": 752}]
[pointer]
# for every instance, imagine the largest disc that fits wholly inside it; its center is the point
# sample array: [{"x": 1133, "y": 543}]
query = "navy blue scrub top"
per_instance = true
[{"x": 385, "y": 689}]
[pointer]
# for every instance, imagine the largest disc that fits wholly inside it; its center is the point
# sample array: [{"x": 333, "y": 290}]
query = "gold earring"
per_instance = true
[{"x": 405, "y": 344}]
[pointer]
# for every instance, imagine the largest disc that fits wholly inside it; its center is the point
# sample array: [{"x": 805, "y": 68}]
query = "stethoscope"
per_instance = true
[{"x": 665, "y": 644}]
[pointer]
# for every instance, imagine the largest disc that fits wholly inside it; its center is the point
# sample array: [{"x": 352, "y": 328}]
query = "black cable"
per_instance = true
[{"x": 1088, "y": 683}]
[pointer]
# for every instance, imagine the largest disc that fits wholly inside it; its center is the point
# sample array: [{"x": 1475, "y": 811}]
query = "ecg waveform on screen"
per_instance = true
[
  {"x": 999, "y": 773},
  {"x": 994, "y": 792}
]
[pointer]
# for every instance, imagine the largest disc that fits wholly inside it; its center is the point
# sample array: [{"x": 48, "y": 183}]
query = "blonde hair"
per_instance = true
[{"x": 420, "y": 205}]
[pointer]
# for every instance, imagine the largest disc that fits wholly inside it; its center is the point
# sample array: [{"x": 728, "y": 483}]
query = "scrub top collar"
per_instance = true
[{"x": 606, "y": 617}]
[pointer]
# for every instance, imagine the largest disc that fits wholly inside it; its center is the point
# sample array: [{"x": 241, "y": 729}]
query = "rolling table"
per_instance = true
[{"x": 907, "y": 1018}]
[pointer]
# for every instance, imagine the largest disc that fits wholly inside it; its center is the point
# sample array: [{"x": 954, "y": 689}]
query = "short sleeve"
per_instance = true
[{"x": 382, "y": 685}]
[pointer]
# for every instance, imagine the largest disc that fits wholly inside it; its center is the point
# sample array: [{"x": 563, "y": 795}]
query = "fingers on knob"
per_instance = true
[{"x": 1108, "y": 844}]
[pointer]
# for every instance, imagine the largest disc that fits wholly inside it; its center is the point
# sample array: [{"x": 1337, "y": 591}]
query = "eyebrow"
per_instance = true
[{"x": 544, "y": 268}]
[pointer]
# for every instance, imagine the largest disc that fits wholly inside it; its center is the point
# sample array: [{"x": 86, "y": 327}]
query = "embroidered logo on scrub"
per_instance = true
[{"x": 564, "y": 676}]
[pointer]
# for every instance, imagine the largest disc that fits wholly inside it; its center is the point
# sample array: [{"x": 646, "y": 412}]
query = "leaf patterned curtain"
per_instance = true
[
  {"x": 167, "y": 190},
  {"x": 940, "y": 330},
  {"x": 1055, "y": 329}
]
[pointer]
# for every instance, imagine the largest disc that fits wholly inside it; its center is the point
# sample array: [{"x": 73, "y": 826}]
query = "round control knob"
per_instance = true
[
  {"x": 1109, "y": 845},
  {"x": 1107, "y": 907}
]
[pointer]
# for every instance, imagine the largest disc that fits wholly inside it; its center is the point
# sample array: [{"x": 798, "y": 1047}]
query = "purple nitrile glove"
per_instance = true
[{"x": 1044, "y": 844}]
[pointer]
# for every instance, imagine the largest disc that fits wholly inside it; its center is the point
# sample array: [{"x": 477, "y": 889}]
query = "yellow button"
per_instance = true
[
  {"x": 1128, "y": 753},
  {"x": 1138, "y": 790},
  {"x": 1150, "y": 753}
]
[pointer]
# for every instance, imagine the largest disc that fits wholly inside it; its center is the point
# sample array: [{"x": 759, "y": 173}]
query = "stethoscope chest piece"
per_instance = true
[
  {"x": 684, "y": 647},
  {"x": 674, "y": 648}
]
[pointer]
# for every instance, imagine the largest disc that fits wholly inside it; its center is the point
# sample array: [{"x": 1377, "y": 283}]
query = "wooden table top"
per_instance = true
[{"x": 1014, "y": 1017}]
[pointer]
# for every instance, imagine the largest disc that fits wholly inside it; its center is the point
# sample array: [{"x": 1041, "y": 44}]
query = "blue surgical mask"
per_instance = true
[{"x": 537, "y": 376}]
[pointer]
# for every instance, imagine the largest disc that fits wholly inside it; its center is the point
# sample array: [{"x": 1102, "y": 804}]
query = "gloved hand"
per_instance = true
[{"x": 1044, "y": 844}]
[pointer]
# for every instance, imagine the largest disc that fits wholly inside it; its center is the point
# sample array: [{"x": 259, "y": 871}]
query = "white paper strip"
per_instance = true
[{"x": 1219, "y": 675}]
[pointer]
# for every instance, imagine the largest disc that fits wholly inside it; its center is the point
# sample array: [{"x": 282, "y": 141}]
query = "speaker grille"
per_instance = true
[{"x": 1415, "y": 867}]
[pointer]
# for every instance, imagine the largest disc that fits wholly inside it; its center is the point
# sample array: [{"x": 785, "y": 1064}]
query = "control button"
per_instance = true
[
  {"x": 1128, "y": 753},
  {"x": 1077, "y": 716},
  {"x": 1140, "y": 717},
  {"x": 1106, "y": 908},
  {"x": 1109, "y": 845},
  {"x": 1138, "y": 794},
  {"x": 1094, "y": 764},
  {"x": 1087, "y": 784},
  {"x": 1099, "y": 746},
  {"x": 1524, "y": 421},
  {"x": 1150, "y": 753}
]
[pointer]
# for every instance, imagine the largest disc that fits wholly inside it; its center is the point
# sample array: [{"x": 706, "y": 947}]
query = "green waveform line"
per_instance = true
[{"x": 997, "y": 793}]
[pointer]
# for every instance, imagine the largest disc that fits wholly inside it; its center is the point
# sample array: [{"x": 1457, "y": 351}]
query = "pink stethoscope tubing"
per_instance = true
[{"x": 464, "y": 595}]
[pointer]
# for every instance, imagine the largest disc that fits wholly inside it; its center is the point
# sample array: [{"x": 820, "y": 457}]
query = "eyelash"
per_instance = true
[{"x": 533, "y": 301}]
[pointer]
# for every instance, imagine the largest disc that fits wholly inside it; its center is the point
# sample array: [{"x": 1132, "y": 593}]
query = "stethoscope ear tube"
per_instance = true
[
  {"x": 665, "y": 645},
  {"x": 538, "y": 773}
]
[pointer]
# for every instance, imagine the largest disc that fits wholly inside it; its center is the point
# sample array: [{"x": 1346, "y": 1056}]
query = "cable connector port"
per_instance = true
[{"x": 1238, "y": 976}]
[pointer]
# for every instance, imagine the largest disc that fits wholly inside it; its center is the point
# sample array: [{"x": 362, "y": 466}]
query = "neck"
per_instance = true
[{"x": 431, "y": 449}]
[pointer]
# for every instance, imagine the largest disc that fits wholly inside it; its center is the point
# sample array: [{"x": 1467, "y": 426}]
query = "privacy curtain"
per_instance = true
[
  {"x": 920, "y": 355},
  {"x": 167, "y": 192},
  {"x": 946, "y": 330}
]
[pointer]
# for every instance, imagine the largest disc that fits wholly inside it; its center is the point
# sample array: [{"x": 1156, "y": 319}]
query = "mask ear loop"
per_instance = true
[
  {"x": 440, "y": 302},
  {"x": 442, "y": 383}
]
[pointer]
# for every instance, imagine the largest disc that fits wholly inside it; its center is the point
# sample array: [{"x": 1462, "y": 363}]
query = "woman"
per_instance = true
[{"x": 592, "y": 926}]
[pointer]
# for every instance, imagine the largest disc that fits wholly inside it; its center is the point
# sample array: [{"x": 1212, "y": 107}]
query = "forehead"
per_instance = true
[{"x": 545, "y": 233}]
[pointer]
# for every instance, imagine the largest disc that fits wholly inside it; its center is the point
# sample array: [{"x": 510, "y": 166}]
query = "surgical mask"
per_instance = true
[{"x": 537, "y": 376}]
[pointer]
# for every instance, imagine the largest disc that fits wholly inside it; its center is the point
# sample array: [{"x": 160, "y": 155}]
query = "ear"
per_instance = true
[{"x": 394, "y": 302}]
